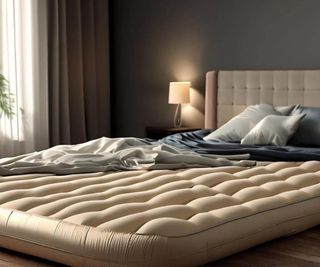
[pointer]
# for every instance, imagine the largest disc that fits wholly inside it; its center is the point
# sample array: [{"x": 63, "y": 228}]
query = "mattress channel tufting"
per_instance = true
[
  {"x": 166, "y": 203},
  {"x": 207, "y": 207}
]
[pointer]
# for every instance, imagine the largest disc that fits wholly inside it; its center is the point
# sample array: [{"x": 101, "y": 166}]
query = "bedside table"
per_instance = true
[{"x": 160, "y": 132}]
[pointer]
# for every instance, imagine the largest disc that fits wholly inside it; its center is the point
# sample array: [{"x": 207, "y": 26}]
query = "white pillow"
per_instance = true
[
  {"x": 238, "y": 127},
  {"x": 273, "y": 130},
  {"x": 285, "y": 110}
]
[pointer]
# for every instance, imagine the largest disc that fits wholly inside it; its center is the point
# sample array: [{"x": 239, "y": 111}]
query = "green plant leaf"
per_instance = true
[{"x": 6, "y": 98}]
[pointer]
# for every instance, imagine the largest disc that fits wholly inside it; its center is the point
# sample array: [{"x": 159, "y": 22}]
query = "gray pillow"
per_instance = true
[
  {"x": 238, "y": 127},
  {"x": 273, "y": 130},
  {"x": 308, "y": 133}
]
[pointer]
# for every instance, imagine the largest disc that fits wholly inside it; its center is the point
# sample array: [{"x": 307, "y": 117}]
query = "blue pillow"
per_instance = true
[{"x": 308, "y": 133}]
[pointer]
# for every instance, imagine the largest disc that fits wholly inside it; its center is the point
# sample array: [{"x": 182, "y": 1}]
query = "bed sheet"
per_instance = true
[{"x": 194, "y": 141}]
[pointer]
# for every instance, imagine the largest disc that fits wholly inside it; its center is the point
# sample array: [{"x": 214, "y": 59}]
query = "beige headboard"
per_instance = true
[{"x": 230, "y": 92}]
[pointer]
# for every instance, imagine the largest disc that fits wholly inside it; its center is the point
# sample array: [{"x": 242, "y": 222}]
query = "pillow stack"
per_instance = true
[{"x": 260, "y": 125}]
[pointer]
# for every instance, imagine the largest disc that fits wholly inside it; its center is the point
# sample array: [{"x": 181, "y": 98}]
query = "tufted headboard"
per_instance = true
[{"x": 229, "y": 92}]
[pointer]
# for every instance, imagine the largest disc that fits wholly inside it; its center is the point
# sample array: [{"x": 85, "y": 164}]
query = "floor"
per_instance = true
[{"x": 301, "y": 250}]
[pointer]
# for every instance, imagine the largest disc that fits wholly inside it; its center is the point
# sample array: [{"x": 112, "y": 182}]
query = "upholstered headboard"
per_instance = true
[{"x": 229, "y": 92}]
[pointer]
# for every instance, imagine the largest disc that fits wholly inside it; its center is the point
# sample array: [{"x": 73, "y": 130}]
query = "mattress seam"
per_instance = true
[
  {"x": 9, "y": 218},
  {"x": 312, "y": 198},
  {"x": 140, "y": 234},
  {"x": 100, "y": 259}
]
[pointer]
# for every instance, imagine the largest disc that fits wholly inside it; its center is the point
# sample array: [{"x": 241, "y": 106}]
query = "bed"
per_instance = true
[{"x": 183, "y": 217}]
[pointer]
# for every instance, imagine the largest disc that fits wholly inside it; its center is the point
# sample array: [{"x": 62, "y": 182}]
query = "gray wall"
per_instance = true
[{"x": 158, "y": 41}]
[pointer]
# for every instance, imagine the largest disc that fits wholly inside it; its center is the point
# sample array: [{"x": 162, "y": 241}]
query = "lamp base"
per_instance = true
[{"x": 177, "y": 117}]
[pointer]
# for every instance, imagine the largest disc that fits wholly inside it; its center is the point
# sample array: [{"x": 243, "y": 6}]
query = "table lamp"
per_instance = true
[{"x": 179, "y": 93}]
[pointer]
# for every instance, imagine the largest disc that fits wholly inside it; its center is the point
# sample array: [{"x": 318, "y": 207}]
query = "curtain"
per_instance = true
[
  {"x": 23, "y": 61},
  {"x": 79, "y": 91}
]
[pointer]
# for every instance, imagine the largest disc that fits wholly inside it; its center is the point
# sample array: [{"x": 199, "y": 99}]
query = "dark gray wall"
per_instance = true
[{"x": 158, "y": 41}]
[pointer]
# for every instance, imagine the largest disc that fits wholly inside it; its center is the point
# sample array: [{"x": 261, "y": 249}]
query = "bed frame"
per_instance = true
[{"x": 229, "y": 92}]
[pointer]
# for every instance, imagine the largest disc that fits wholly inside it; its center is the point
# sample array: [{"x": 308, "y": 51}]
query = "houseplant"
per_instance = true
[{"x": 6, "y": 98}]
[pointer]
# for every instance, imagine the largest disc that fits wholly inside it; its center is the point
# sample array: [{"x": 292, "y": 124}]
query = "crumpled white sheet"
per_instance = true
[{"x": 109, "y": 154}]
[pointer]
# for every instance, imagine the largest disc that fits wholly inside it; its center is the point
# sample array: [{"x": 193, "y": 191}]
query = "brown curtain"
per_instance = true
[{"x": 79, "y": 86}]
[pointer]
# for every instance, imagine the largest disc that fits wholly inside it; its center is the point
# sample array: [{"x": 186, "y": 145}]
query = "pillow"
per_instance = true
[
  {"x": 308, "y": 133},
  {"x": 286, "y": 110},
  {"x": 273, "y": 130},
  {"x": 238, "y": 127}
]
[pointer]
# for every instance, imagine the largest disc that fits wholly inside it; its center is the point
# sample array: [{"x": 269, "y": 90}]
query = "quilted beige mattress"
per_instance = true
[{"x": 156, "y": 218}]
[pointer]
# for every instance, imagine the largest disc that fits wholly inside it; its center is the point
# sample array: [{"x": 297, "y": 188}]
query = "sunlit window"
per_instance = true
[{"x": 19, "y": 63}]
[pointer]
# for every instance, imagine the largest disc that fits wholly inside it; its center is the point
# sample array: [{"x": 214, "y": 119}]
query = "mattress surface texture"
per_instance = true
[{"x": 151, "y": 218}]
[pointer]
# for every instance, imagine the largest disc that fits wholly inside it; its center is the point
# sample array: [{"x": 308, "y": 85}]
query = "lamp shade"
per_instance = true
[{"x": 179, "y": 92}]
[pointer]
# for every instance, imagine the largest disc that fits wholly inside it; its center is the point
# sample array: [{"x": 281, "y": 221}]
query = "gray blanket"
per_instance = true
[{"x": 109, "y": 154}]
